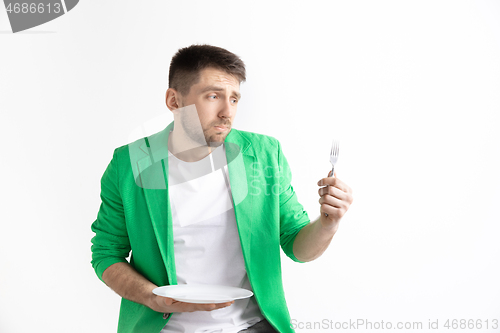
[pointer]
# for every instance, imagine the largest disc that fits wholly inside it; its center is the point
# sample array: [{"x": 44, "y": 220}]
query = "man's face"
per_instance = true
[{"x": 216, "y": 97}]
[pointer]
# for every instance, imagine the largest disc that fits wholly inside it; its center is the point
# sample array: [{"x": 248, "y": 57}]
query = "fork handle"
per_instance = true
[{"x": 329, "y": 185}]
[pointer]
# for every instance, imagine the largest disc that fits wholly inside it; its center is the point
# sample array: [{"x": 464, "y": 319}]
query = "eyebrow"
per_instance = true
[{"x": 215, "y": 88}]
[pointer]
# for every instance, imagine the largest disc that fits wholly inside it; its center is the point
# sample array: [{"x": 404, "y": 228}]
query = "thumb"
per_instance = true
[{"x": 168, "y": 300}]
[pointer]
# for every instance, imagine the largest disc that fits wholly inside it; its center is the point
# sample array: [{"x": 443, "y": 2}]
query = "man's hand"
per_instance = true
[
  {"x": 335, "y": 200},
  {"x": 313, "y": 239},
  {"x": 169, "y": 305},
  {"x": 129, "y": 284}
]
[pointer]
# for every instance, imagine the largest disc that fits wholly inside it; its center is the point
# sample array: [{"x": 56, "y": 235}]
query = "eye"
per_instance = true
[
  {"x": 234, "y": 100},
  {"x": 215, "y": 96}
]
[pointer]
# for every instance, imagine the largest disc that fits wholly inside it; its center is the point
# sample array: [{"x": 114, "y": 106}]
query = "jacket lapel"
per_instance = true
[
  {"x": 240, "y": 157},
  {"x": 149, "y": 158},
  {"x": 152, "y": 176}
]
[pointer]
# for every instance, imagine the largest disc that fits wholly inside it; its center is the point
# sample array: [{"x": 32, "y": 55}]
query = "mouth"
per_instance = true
[{"x": 221, "y": 128}]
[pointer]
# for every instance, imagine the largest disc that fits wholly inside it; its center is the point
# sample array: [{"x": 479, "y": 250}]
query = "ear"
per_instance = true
[{"x": 172, "y": 99}]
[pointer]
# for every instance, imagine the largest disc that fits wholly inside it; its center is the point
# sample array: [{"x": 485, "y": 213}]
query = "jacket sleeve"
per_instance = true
[
  {"x": 293, "y": 217},
  {"x": 110, "y": 243}
]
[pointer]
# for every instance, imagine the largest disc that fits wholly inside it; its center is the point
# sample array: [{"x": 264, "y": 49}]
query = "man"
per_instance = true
[{"x": 200, "y": 202}]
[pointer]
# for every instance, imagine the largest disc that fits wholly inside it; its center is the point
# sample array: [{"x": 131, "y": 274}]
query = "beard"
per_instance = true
[{"x": 205, "y": 138}]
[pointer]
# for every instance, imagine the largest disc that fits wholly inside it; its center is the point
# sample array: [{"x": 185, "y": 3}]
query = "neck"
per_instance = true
[{"x": 186, "y": 149}]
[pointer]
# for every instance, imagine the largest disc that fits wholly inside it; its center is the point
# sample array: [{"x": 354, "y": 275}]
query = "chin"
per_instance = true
[{"x": 216, "y": 139}]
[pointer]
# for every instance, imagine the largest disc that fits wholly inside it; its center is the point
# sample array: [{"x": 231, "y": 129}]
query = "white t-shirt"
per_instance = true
[{"x": 207, "y": 247}]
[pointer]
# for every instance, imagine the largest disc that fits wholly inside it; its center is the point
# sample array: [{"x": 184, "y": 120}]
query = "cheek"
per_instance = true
[
  {"x": 207, "y": 112},
  {"x": 206, "y": 122}
]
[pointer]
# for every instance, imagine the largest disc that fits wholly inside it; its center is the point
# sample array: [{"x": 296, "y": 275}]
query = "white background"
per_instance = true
[{"x": 411, "y": 89}]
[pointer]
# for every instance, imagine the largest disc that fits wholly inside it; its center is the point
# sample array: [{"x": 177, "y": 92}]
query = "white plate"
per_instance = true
[{"x": 202, "y": 293}]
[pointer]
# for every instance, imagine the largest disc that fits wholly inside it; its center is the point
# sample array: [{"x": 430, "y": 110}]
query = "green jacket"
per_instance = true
[{"x": 135, "y": 216}]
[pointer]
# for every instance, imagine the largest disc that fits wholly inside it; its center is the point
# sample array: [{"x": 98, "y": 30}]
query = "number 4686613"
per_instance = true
[
  {"x": 33, "y": 8},
  {"x": 471, "y": 324}
]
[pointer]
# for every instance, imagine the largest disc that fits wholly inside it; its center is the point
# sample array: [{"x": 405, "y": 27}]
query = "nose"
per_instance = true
[{"x": 227, "y": 110}]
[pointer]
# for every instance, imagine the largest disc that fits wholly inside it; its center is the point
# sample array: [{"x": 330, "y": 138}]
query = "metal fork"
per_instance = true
[{"x": 334, "y": 156}]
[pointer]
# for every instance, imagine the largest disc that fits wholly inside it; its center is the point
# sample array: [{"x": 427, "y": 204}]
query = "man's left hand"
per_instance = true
[{"x": 335, "y": 201}]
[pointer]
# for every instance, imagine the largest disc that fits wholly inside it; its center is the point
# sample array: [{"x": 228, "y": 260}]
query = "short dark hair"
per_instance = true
[{"x": 188, "y": 62}]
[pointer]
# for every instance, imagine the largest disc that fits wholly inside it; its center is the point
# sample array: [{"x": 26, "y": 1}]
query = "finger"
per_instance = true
[
  {"x": 168, "y": 300},
  {"x": 326, "y": 181},
  {"x": 341, "y": 185},
  {"x": 334, "y": 192},
  {"x": 333, "y": 212},
  {"x": 223, "y": 305},
  {"x": 335, "y": 182},
  {"x": 332, "y": 201},
  {"x": 214, "y": 306},
  {"x": 206, "y": 307},
  {"x": 191, "y": 307}
]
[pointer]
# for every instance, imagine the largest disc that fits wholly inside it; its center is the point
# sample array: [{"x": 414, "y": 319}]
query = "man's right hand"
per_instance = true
[{"x": 169, "y": 305}]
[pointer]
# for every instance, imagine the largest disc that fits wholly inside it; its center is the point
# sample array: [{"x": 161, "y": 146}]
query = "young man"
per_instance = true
[{"x": 202, "y": 203}]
